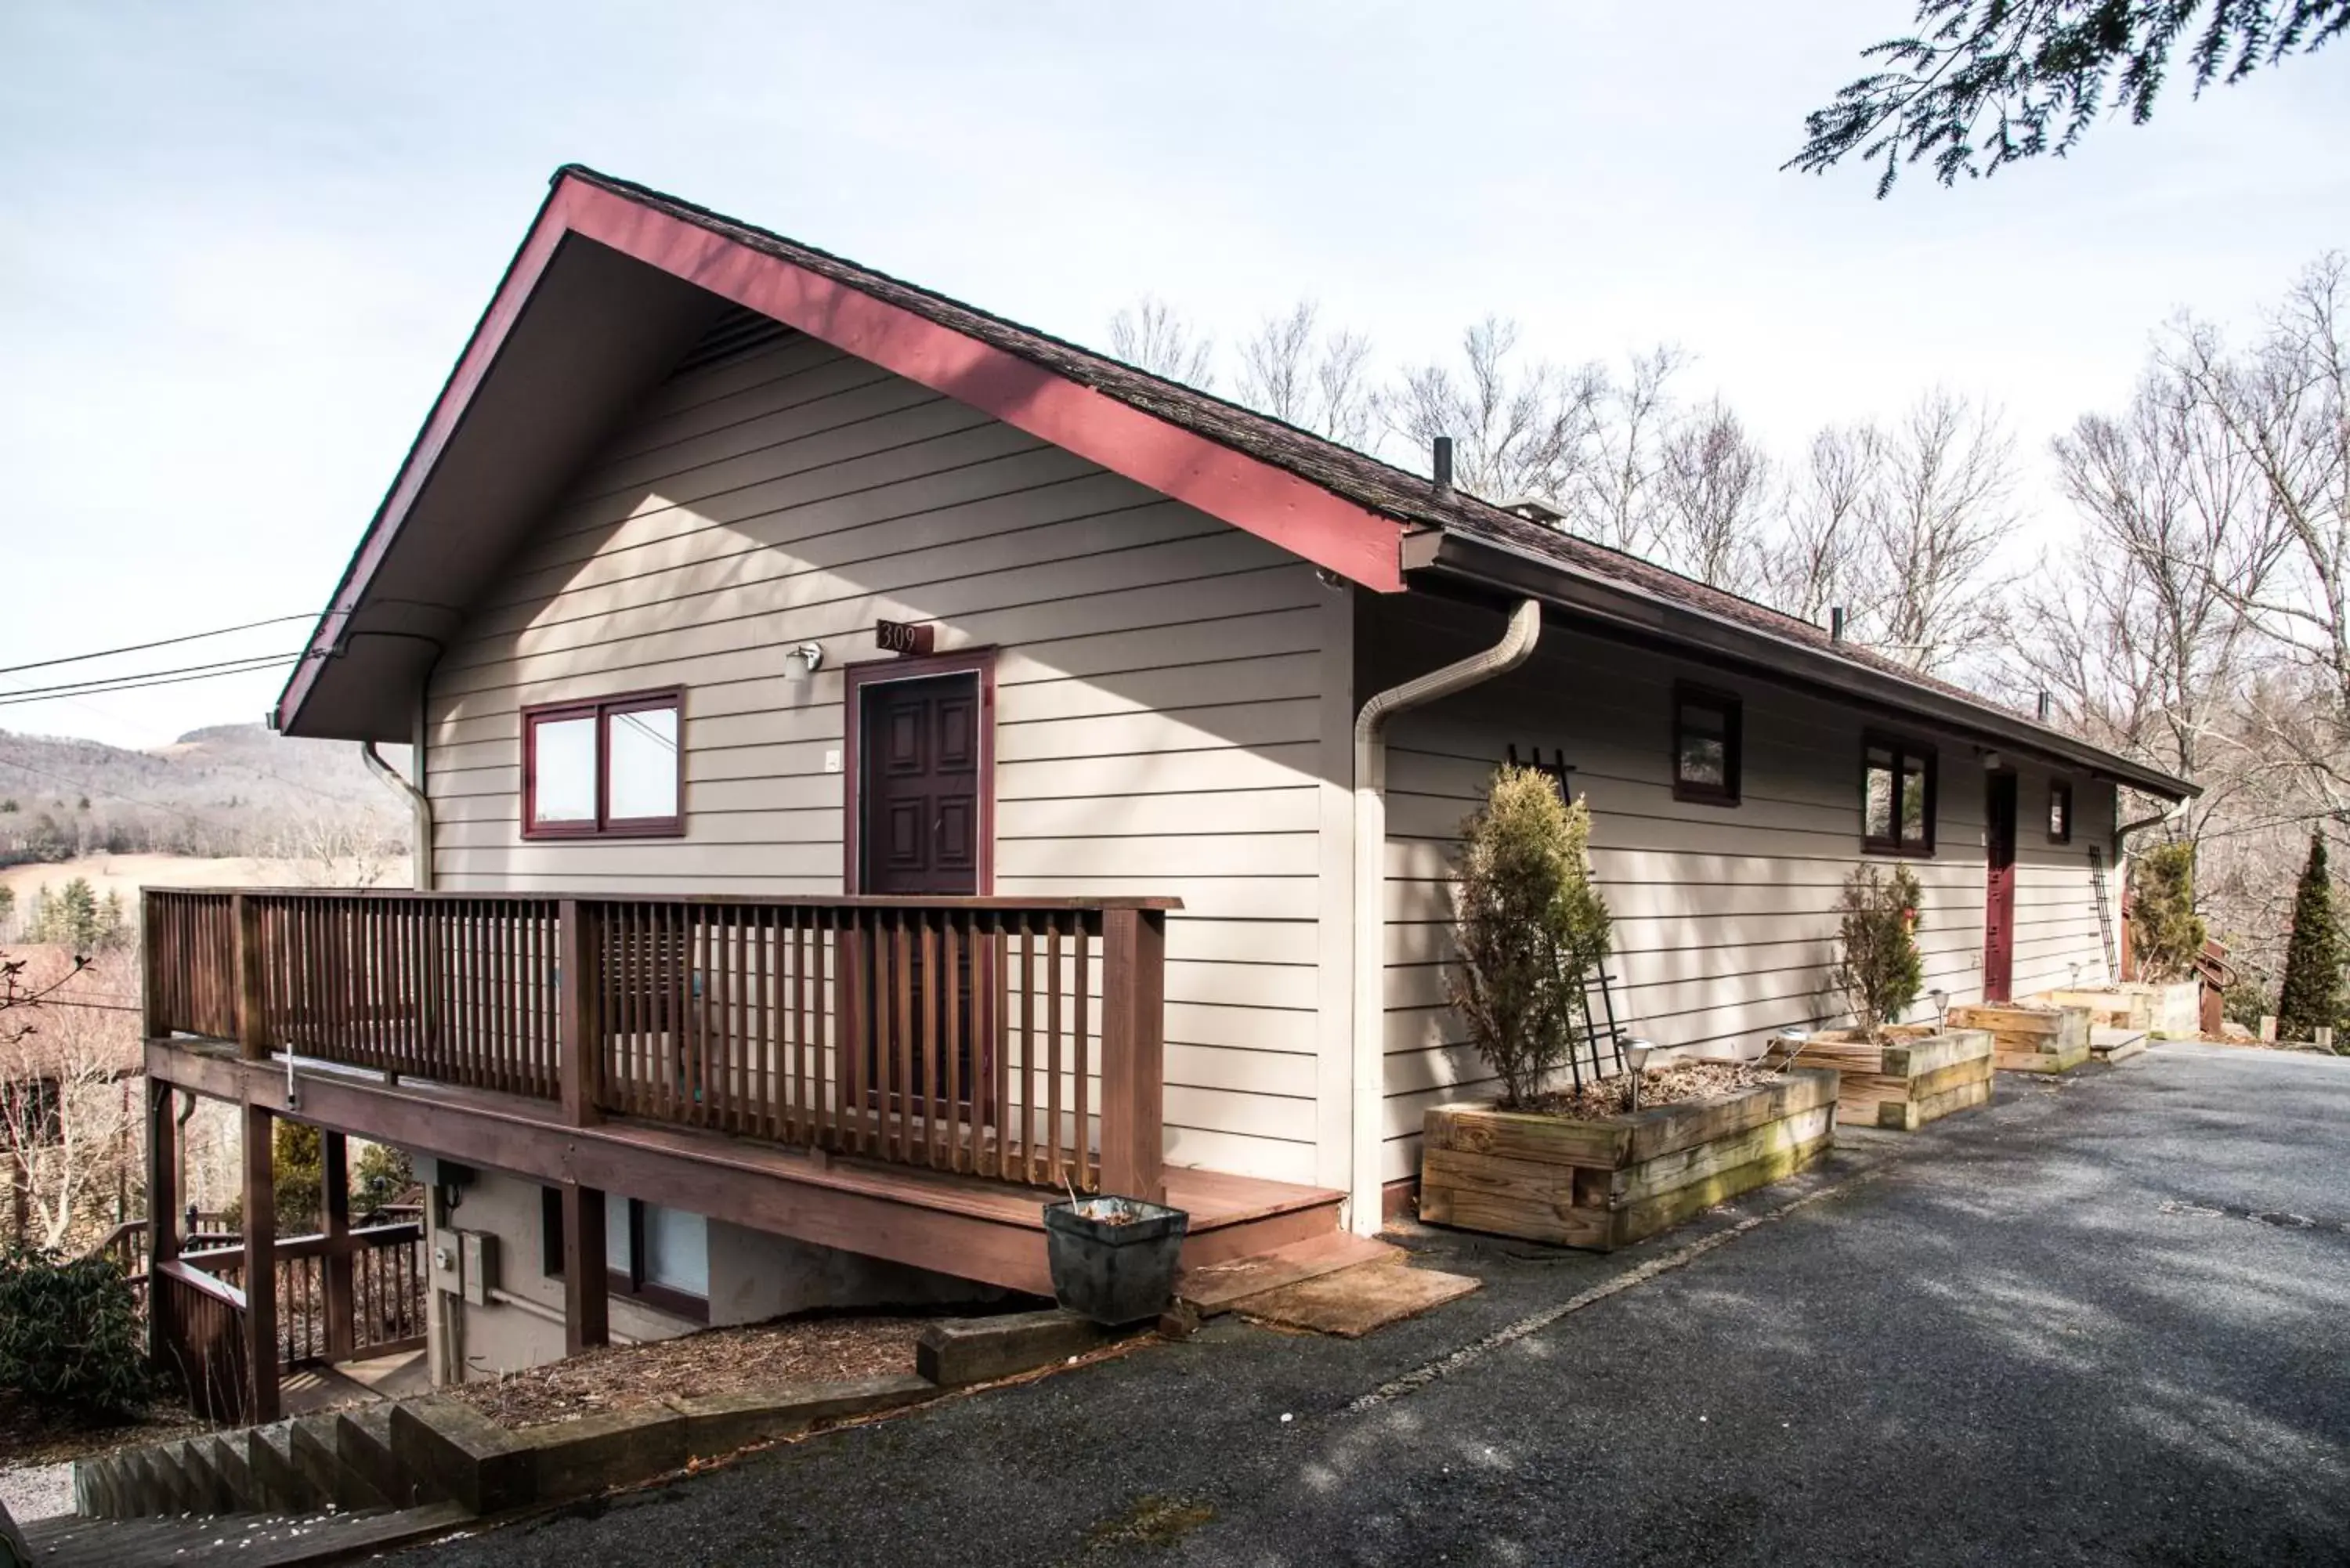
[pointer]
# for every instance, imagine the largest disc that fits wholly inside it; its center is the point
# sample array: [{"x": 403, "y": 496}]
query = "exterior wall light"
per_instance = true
[{"x": 802, "y": 661}]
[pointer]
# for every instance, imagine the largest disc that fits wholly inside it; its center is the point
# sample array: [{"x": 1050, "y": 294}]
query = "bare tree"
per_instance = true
[
  {"x": 1520, "y": 428},
  {"x": 1714, "y": 502},
  {"x": 2138, "y": 634},
  {"x": 1932, "y": 528},
  {"x": 344, "y": 849},
  {"x": 2285, "y": 406},
  {"x": 1152, "y": 334},
  {"x": 1812, "y": 566},
  {"x": 1612, "y": 499},
  {"x": 1318, "y": 380},
  {"x": 68, "y": 1117}
]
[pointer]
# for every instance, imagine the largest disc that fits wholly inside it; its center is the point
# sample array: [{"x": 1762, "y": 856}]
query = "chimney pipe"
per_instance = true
[
  {"x": 1836, "y": 623},
  {"x": 2047, "y": 706},
  {"x": 1443, "y": 465}
]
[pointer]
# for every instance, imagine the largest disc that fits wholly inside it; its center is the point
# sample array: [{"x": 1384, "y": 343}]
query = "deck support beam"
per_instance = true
[
  {"x": 341, "y": 1305},
  {"x": 163, "y": 1211},
  {"x": 260, "y": 1264},
  {"x": 587, "y": 1299}
]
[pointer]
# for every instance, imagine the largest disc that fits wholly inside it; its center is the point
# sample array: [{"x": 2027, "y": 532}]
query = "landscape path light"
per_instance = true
[{"x": 1637, "y": 1052}]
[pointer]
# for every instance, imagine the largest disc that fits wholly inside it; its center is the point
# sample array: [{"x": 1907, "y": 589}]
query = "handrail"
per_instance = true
[
  {"x": 318, "y": 1245},
  {"x": 203, "y": 1284},
  {"x": 737, "y": 900},
  {"x": 1020, "y": 1039}
]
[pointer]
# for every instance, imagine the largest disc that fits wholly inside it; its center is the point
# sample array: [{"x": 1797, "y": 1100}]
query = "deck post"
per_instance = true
[
  {"x": 1133, "y": 1071},
  {"x": 162, "y": 1214},
  {"x": 252, "y": 1027},
  {"x": 152, "y": 1023},
  {"x": 581, "y": 987},
  {"x": 587, "y": 1301},
  {"x": 260, "y": 1265},
  {"x": 335, "y": 1200}
]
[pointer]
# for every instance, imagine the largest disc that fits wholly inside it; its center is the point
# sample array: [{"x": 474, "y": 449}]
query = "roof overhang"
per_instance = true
[
  {"x": 1623, "y": 612},
  {"x": 606, "y": 292}
]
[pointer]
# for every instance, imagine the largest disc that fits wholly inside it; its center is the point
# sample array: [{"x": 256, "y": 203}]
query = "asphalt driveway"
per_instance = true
[{"x": 2107, "y": 1319}]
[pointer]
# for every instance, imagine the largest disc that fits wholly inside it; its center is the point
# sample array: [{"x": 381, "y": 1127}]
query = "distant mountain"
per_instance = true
[{"x": 226, "y": 790}]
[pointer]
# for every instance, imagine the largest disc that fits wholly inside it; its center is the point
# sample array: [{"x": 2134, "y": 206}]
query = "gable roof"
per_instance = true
[{"x": 614, "y": 282}]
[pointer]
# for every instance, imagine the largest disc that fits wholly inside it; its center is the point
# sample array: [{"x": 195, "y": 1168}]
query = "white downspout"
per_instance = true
[
  {"x": 1369, "y": 1075},
  {"x": 420, "y": 808}
]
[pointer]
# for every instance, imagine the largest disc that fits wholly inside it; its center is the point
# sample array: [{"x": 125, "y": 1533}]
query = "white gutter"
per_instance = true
[
  {"x": 1370, "y": 1011},
  {"x": 420, "y": 808}
]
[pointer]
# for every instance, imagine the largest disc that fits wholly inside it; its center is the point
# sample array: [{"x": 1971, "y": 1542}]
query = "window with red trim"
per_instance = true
[{"x": 607, "y": 769}]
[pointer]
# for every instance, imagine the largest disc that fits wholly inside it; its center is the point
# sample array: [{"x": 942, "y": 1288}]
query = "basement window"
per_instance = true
[
  {"x": 1897, "y": 796},
  {"x": 607, "y": 769},
  {"x": 658, "y": 1256},
  {"x": 2060, "y": 811},
  {"x": 1707, "y": 743}
]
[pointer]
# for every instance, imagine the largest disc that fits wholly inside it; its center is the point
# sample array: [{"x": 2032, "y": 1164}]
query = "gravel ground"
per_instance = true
[
  {"x": 2105, "y": 1320},
  {"x": 36, "y": 1491}
]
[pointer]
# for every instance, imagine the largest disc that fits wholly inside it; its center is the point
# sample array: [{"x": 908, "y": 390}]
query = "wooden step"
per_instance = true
[
  {"x": 1218, "y": 1287},
  {"x": 2116, "y": 1044},
  {"x": 248, "y": 1539}
]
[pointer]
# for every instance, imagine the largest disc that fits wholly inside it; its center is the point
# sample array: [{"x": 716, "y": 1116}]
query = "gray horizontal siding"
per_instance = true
[
  {"x": 1160, "y": 690},
  {"x": 1724, "y": 916}
]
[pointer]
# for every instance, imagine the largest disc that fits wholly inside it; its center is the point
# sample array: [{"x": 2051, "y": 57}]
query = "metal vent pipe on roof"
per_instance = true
[
  {"x": 1836, "y": 623},
  {"x": 2047, "y": 706},
  {"x": 1443, "y": 463}
]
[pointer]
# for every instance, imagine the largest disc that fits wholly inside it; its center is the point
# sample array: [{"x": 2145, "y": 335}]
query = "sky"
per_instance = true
[{"x": 241, "y": 247}]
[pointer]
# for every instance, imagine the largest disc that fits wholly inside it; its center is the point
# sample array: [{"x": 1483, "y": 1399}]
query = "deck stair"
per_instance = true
[{"x": 317, "y": 1488}]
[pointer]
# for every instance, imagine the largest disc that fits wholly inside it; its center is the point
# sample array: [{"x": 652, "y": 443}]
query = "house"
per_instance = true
[{"x": 879, "y": 765}]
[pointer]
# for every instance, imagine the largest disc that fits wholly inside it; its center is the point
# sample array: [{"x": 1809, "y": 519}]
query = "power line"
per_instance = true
[
  {"x": 161, "y": 642},
  {"x": 275, "y": 661},
  {"x": 97, "y": 684}
]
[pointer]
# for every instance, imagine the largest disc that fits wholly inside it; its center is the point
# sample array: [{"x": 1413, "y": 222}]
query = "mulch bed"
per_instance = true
[
  {"x": 28, "y": 1437},
  {"x": 716, "y": 1361},
  {"x": 1658, "y": 1086}
]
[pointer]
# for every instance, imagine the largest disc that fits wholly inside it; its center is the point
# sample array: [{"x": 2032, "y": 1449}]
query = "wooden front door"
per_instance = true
[
  {"x": 919, "y": 817},
  {"x": 1999, "y": 905}
]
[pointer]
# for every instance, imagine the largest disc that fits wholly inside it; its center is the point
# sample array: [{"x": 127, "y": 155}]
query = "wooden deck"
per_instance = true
[{"x": 971, "y": 1227}]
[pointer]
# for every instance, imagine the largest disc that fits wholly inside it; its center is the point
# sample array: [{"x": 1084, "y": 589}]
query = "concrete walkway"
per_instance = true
[{"x": 2107, "y": 1319}]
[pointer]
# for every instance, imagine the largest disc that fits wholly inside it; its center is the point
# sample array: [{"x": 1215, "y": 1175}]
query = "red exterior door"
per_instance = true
[
  {"x": 1999, "y": 905},
  {"x": 918, "y": 796}
]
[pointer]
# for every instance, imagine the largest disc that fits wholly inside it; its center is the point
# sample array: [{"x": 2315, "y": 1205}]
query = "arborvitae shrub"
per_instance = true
[
  {"x": 2311, "y": 997},
  {"x": 1529, "y": 927},
  {"x": 2166, "y": 934},
  {"x": 1878, "y": 967}
]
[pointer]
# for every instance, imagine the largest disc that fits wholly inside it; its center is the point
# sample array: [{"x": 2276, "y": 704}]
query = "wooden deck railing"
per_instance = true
[
  {"x": 1007, "y": 1038},
  {"x": 388, "y": 1289},
  {"x": 200, "y": 1324}
]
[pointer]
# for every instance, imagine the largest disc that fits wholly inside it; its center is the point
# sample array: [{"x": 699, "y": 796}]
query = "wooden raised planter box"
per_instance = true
[
  {"x": 2174, "y": 1007},
  {"x": 1610, "y": 1182},
  {"x": 1915, "y": 1077},
  {"x": 2031, "y": 1039}
]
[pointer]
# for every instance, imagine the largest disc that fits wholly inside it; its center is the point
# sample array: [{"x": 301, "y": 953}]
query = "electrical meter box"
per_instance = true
[
  {"x": 478, "y": 1258},
  {"x": 448, "y": 1265}
]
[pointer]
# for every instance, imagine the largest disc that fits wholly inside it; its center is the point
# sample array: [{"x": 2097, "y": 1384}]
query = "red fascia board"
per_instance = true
[{"x": 1278, "y": 506}]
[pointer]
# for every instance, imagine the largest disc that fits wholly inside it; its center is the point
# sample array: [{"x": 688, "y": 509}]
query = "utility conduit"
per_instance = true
[{"x": 1369, "y": 1074}]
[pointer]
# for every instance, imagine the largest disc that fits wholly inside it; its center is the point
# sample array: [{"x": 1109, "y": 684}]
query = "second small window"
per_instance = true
[
  {"x": 1706, "y": 745},
  {"x": 2060, "y": 812}
]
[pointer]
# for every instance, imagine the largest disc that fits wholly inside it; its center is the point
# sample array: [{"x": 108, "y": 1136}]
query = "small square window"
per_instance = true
[
  {"x": 1896, "y": 800},
  {"x": 604, "y": 769},
  {"x": 1707, "y": 743},
  {"x": 2060, "y": 812}
]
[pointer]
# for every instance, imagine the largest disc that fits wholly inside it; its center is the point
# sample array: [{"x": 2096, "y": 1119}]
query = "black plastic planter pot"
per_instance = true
[{"x": 1113, "y": 1259}]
